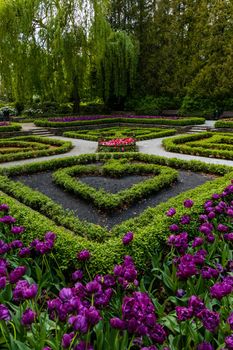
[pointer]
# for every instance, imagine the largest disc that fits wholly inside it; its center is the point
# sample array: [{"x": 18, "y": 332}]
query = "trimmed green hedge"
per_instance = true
[
  {"x": 203, "y": 144},
  {"x": 31, "y": 147},
  {"x": 119, "y": 132},
  {"x": 177, "y": 122},
  {"x": 150, "y": 227},
  {"x": 224, "y": 124},
  {"x": 10, "y": 127},
  {"x": 162, "y": 176}
]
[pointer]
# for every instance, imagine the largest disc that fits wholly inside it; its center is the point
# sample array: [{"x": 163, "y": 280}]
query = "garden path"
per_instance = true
[{"x": 153, "y": 146}]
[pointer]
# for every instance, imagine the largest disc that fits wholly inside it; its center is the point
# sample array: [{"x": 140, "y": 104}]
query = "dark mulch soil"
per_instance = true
[{"x": 86, "y": 211}]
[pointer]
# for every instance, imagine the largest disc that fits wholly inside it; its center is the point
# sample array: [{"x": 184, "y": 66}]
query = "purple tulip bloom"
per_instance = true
[
  {"x": 2, "y": 282},
  {"x": 198, "y": 241},
  {"x": 171, "y": 212},
  {"x": 17, "y": 229},
  {"x": 188, "y": 203},
  {"x": 152, "y": 347},
  {"x": 77, "y": 275},
  {"x": 220, "y": 290},
  {"x": 228, "y": 236},
  {"x": 16, "y": 274},
  {"x": 174, "y": 228},
  {"x": 208, "y": 272},
  {"x": 210, "y": 319},
  {"x": 222, "y": 228},
  {"x": 84, "y": 255},
  {"x": 83, "y": 346},
  {"x": 185, "y": 220},
  {"x": 186, "y": 267},
  {"x": 229, "y": 342},
  {"x": 66, "y": 294},
  {"x": 67, "y": 339},
  {"x": 4, "y": 313},
  {"x": 128, "y": 237},
  {"x": 8, "y": 219},
  {"x": 180, "y": 293},
  {"x": 183, "y": 313},
  {"x": 196, "y": 304},
  {"x": 4, "y": 207},
  {"x": 205, "y": 346},
  {"x": 24, "y": 252},
  {"x": 230, "y": 321},
  {"x": 117, "y": 323},
  {"x": 28, "y": 317}
]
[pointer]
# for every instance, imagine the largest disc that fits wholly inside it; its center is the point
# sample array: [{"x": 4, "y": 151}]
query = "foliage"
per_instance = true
[
  {"x": 218, "y": 145},
  {"x": 161, "y": 177},
  {"x": 8, "y": 127},
  {"x": 23, "y": 147},
  {"x": 109, "y": 133},
  {"x": 115, "y": 119},
  {"x": 227, "y": 123}
]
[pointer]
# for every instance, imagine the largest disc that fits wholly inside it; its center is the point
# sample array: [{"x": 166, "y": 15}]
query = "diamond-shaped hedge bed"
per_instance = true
[{"x": 40, "y": 213}]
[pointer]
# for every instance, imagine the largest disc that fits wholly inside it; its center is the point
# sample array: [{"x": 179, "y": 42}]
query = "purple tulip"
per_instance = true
[
  {"x": 4, "y": 313},
  {"x": 222, "y": 228},
  {"x": 66, "y": 294},
  {"x": 183, "y": 313},
  {"x": 117, "y": 323},
  {"x": 67, "y": 339},
  {"x": 17, "y": 229},
  {"x": 83, "y": 346},
  {"x": 171, "y": 212},
  {"x": 77, "y": 275},
  {"x": 8, "y": 219},
  {"x": 229, "y": 342},
  {"x": 128, "y": 237},
  {"x": 188, "y": 203},
  {"x": 28, "y": 317},
  {"x": 205, "y": 346},
  {"x": 16, "y": 274},
  {"x": 196, "y": 304},
  {"x": 185, "y": 220},
  {"x": 180, "y": 293},
  {"x": 84, "y": 255},
  {"x": 230, "y": 321},
  {"x": 198, "y": 241},
  {"x": 210, "y": 319},
  {"x": 152, "y": 347},
  {"x": 220, "y": 290},
  {"x": 4, "y": 207},
  {"x": 2, "y": 282},
  {"x": 174, "y": 228},
  {"x": 24, "y": 252},
  {"x": 228, "y": 236}
]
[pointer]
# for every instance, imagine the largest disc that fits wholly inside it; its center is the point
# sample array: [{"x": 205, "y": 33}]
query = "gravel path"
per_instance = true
[{"x": 153, "y": 146}]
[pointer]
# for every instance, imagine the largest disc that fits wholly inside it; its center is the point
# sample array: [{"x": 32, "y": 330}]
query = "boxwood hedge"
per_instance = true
[
  {"x": 10, "y": 127},
  {"x": 24, "y": 147},
  {"x": 150, "y": 227},
  {"x": 122, "y": 121},
  {"x": 217, "y": 145},
  {"x": 224, "y": 124}
]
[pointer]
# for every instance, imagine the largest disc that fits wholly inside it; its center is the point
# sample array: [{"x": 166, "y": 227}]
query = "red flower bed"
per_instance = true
[{"x": 117, "y": 145}]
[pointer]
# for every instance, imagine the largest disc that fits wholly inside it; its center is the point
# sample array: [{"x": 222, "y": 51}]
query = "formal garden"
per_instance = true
[{"x": 116, "y": 175}]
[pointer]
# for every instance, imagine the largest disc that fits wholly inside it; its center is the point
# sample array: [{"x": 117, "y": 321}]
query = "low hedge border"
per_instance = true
[
  {"x": 10, "y": 127},
  {"x": 150, "y": 228},
  {"x": 162, "y": 176},
  {"x": 224, "y": 124},
  {"x": 37, "y": 147},
  {"x": 203, "y": 144},
  {"x": 90, "y": 135},
  {"x": 178, "y": 122}
]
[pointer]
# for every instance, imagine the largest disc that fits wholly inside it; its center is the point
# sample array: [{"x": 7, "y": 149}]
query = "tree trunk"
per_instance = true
[{"x": 76, "y": 96}]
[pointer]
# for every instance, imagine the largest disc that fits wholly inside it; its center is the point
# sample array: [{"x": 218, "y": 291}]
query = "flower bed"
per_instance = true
[
  {"x": 24, "y": 147},
  {"x": 120, "y": 132},
  {"x": 184, "y": 303},
  {"x": 117, "y": 145},
  {"x": 74, "y": 234},
  {"x": 217, "y": 145},
  {"x": 8, "y": 127},
  {"x": 90, "y": 120}
]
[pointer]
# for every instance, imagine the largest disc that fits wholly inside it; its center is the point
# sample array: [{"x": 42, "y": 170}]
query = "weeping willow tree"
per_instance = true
[{"x": 117, "y": 68}]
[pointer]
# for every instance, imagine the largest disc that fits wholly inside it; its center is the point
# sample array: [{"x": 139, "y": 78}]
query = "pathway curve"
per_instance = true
[{"x": 153, "y": 146}]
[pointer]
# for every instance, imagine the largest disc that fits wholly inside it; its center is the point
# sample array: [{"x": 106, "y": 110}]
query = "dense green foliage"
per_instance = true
[
  {"x": 10, "y": 128},
  {"x": 122, "y": 121},
  {"x": 106, "y": 247},
  {"x": 217, "y": 145},
  {"x": 178, "y": 53},
  {"x": 224, "y": 124}
]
